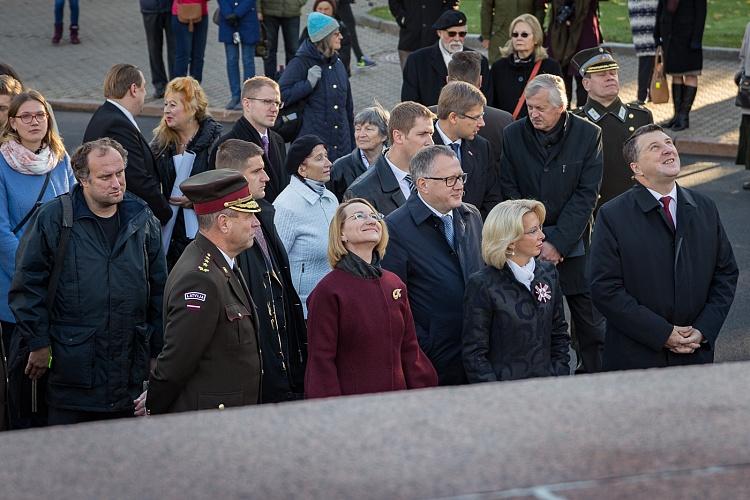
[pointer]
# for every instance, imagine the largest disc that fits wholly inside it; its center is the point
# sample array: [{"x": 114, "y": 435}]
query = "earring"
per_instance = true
[{"x": 510, "y": 252}]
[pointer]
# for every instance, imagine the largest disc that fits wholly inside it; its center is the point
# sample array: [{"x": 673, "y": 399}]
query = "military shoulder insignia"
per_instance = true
[
  {"x": 204, "y": 265},
  {"x": 396, "y": 294},
  {"x": 192, "y": 299}
]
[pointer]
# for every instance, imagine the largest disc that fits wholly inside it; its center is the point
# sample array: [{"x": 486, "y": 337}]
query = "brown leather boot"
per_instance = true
[
  {"x": 74, "y": 35},
  {"x": 58, "y": 33}
]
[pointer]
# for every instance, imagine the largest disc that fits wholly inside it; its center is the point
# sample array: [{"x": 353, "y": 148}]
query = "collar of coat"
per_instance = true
[
  {"x": 647, "y": 202},
  {"x": 595, "y": 111},
  {"x": 421, "y": 212}
]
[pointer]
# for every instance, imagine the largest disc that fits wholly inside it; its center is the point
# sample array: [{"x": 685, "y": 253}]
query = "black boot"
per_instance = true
[
  {"x": 677, "y": 89},
  {"x": 683, "y": 118}
]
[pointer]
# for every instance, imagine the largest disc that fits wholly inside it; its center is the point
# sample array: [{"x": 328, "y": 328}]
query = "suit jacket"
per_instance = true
[
  {"x": 425, "y": 73},
  {"x": 482, "y": 188},
  {"x": 566, "y": 180},
  {"x": 435, "y": 274},
  {"x": 210, "y": 357},
  {"x": 379, "y": 186},
  {"x": 274, "y": 160},
  {"x": 141, "y": 176},
  {"x": 645, "y": 277}
]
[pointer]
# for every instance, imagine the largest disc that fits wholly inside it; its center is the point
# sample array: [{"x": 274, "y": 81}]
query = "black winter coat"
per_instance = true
[
  {"x": 680, "y": 34},
  {"x": 510, "y": 332},
  {"x": 509, "y": 78},
  {"x": 105, "y": 322},
  {"x": 344, "y": 171},
  {"x": 207, "y": 134},
  {"x": 566, "y": 180},
  {"x": 415, "y": 18}
]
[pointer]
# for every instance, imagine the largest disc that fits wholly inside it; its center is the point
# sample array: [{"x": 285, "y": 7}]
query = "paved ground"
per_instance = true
[{"x": 112, "y": 31}]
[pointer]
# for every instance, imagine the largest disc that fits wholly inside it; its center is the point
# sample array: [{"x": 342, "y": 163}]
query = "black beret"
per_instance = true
[
  {"x": 299, "y": 150},
  {"x": 450, "y": 18}
]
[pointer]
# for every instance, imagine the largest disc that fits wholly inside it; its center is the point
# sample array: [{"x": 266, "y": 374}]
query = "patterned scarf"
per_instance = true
[{"x": 27, "y": 162}]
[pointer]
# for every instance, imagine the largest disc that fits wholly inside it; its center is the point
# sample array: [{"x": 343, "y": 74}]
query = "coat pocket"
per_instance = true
[
  {"x": 72, "y": 356},
  {"x": 141, "y": 352},
  {"x": 240, "y": 329},
  {"x": 219, "y": 400}
]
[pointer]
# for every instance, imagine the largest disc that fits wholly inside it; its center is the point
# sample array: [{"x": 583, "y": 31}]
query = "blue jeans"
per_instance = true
[
  {"x": 290, "y": 29},
  {"x": 190, "y": 48},
  {"x": 233, "y": 66},
  {"x": 59, "y": 5}
]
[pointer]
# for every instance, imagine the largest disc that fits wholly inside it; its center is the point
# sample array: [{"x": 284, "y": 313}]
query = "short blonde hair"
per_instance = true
[
  {"x": 336, "y": 248},
  {"x": 536, "y": 30},
  {"x": 504, "y": 225},
  {"x": 195, "y": 101}
]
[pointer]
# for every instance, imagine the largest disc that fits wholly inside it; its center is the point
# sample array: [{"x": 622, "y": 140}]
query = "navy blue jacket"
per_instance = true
[
  {"x": 436, "y": 275},
  {"x": 249, "y": 27},
  {"x": 329, "y": 111}
]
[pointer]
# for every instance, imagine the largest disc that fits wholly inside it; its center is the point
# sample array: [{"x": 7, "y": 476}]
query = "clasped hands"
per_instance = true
[{"x": 684, "y": 340}]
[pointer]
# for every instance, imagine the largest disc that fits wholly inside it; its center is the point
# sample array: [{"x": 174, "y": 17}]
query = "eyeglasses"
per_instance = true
[
  {"x": 451, "y": 180},
  {"x": 27, "y": 118},
  {"x": 533, "y": 230},
  {"x": 461, "y": 34},
  {"x": 475, "y": 118},
  {"x": 268, "y": 102},
  {"x": 523, "y": 34},
  {"x": 360, "y": 216}
]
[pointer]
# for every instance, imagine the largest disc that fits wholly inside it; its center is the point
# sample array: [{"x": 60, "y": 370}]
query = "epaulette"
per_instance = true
[{"x": 204, "y": 265}]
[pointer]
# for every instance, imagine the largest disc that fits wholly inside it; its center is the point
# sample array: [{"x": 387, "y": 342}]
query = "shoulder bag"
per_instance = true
[
  {"x": 189, "y": 13},
  {"x": 659, "y": 90},
  {"x": 522, "y": 99}
]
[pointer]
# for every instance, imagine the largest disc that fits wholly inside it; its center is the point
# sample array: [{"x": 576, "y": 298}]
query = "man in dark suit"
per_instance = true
[
  {"x": 388, "y": 183},
  {"x": 460, "y": 117},
  {"x": 662, "y": 269},
  {"x": 415, "y": 18},
  {"x": 265, "y": 266},
  {"x": 556, "y": 158},
  {"x": 616, "y": 119},
  {"x": 426, "y": 69},
  {"x": 210, "y": 357},
  {"x": 434, "y": 246},
  {"x": 261, "y": 100},
  {"x": 125, "y": 90}
]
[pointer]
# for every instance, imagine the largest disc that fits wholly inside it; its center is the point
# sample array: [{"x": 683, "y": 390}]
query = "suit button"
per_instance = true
[
  {"x": 335, "y": 126},
  {"x": 221, "y": 406},
  {"x": 335, "y": 106}
]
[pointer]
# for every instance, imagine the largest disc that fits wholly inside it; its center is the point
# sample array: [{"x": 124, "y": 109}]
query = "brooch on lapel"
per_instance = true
[
  {"x": 396, "y": 294},
  {"x": 542, "y": 292}
]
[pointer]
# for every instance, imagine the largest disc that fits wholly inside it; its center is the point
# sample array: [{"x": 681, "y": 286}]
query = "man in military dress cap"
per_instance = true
[
  {"x": 617, "y": 120},
  {"x": 210, "y": 357}
]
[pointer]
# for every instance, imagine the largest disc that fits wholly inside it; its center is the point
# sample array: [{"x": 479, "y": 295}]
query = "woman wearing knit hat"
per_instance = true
[
  {"x": 317, "y": 77},
  {"x": 304, "y": 210},
  {"x": 330, "y": 9}
]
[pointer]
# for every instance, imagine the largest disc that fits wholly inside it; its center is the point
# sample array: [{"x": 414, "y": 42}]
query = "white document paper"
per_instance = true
[{"x": 183, "y": 165}]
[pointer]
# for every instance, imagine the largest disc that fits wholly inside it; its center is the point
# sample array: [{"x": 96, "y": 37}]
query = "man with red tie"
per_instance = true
[{"x": 662, "y": 269}]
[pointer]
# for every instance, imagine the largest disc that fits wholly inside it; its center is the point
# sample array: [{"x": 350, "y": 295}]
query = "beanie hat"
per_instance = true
[
  {"x": 299, "y": 150},
  {"x": 320, "y": 26}
]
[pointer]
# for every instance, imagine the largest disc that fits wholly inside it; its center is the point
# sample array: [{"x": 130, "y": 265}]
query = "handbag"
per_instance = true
[
  {"x": 659, "y": 90},
  {"x": 189, "y": 13},
  {"x": 743, "y": 92}
]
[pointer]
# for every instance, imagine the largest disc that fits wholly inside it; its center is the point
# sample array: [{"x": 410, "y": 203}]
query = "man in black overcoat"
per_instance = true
[
  {"x": 662, "y": 269},
  {"x": 281, "y": 323},
  {"x": 426, "y": 69},
  {"x": 556, "y": 157},
  {"x": 261, "y": 99},
  {"x": 125, "y": 91},
  {"x": 415, "y": 18}
]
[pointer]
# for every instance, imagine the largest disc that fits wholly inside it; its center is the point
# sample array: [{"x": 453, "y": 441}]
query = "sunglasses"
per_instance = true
[
  {"x": 516, "y": 34},
  {"x": 452, "y": 34}
]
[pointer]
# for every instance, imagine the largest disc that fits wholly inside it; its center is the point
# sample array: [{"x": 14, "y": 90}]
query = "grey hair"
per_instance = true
[
  {"x": 375, "y": 115},
  {"x": 206, "y": 221},
  {"x": 422, "y": 163},
  {"x": 552, "y": 83}
]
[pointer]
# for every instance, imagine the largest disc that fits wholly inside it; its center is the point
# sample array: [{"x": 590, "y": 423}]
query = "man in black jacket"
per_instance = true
[
  {"x": 261, "y": 101},
  {"x": 265, "y": 265},
  {"x": 556, "y": 158},
  {"x": 460, "y": 117},
  {"x": 157, "y": 21},
  {"x": 125, "y": 90},
  {"x": 426, "y": 69},
  {"x": 104, "y": 323},
  {"x": 415, "y": 18}
]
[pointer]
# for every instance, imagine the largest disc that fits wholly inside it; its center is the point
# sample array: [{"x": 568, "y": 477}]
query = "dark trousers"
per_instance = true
[
  {"x": 190, "y": 48},
  {"x": 59, "y": 416},
  {"x": 587, "y": 326},
  {"x": 645, "y": 69},
  {"x": 347, "y": 16},
  {"x": 290, "y": 30},
  {"x": 158, "y": 28}
]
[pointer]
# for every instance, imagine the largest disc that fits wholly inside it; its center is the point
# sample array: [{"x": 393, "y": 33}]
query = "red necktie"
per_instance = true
[{"x": 665, "y": 207}]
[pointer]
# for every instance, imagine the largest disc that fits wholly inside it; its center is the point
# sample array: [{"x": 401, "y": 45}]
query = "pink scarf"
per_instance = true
[{"x": 27, "y": 162}]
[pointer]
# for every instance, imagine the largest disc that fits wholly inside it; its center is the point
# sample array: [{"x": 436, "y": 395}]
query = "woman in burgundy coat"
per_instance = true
[{"x": 361, "y": 335}]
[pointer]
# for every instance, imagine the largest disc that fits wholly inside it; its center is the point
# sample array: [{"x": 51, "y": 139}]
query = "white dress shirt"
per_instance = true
[
  {"x": 672, "y": 204},
  {"x": 400, "y": 177}
]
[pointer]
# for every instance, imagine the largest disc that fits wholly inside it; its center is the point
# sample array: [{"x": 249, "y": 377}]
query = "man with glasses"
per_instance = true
[
  {"x": 434, "y": 246},
  {"x": 460, "y": 113},
  {"x": 261, "y": 102},
  {"x": 426, "y": 69}
]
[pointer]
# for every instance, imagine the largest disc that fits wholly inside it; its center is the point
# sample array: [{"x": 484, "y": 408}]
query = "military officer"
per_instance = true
[
  {"x": 617, "y": 120},
  {"x": 211, "y": 357}
]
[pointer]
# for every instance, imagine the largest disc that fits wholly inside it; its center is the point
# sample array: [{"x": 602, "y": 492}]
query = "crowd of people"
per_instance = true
[{"x": 431, "y": 244}]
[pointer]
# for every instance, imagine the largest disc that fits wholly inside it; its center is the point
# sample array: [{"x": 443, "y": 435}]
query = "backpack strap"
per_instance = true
[{"x": 67, "y": 226}]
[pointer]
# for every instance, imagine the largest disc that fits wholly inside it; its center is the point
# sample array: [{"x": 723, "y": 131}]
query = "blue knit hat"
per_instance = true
[{"x": 320, "y": 26}]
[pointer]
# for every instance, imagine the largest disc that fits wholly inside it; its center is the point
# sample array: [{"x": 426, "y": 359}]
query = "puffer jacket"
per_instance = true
[
  {"x": 105, "y": 322},
  {"x": 281, "y": 8},
  {"x": 329, "y": 110}
]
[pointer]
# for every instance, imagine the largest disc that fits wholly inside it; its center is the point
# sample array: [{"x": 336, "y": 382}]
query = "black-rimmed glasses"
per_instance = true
[
  {"x": 268, "y": 102},
  {"x": 450, "y": 181},
  {"x": 27, "y": 118}
]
